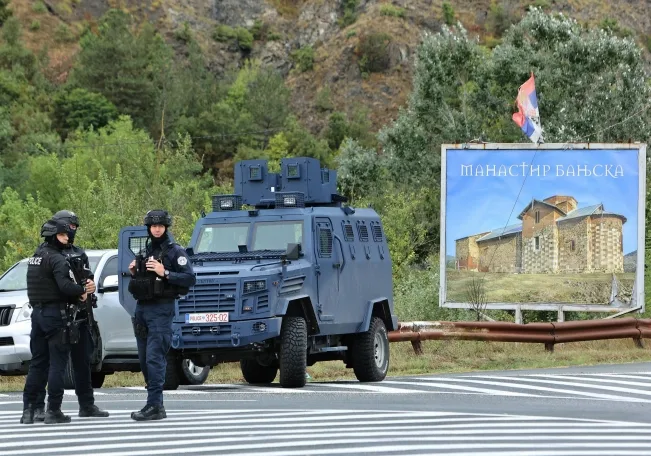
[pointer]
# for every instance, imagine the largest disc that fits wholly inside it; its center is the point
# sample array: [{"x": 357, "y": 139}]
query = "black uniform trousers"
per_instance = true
[
  {"x": 50, "y": 357},
  {"x": 153, "y": 344}
]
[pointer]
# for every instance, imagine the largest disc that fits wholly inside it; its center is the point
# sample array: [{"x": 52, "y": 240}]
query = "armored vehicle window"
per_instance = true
[
  {"x": 276, "y": 235},
  {"x": 222, "y": 238},
  {"x": 136, "y": 244}
]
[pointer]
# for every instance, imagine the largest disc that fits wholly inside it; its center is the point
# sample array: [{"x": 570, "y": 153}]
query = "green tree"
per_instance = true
[
  {"x": 131, "y": 70},
  {"x": 267, "y": 102},
  {"x": 5, "y": 12},
  {"x": 21, "y": 220},
  {"x": 80, "y": 108},
  {"x": 359, "y": 170}
]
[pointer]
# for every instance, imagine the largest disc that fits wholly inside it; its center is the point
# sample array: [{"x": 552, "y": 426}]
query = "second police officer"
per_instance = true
[
  {"x": 160, "y": 273},
  {"x": 71, "y": 221},
  {"x": 56, "y": 332}
]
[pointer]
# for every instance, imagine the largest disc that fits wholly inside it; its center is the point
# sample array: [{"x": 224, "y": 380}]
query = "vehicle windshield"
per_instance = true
[
  {"x": 276, "y": 235},
  {"x": 222, "y": 238},
  {"x": 16, "y": 278}
]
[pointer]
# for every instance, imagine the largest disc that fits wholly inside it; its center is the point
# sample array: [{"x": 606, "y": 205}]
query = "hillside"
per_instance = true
[{"x": 341, "y": 55}]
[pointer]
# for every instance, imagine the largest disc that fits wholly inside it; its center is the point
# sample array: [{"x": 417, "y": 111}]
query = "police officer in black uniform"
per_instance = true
[
  {"x": 56, "y": 329},
  {"x": 71, "y": 221},
  {"x": 160, "y": 273}
]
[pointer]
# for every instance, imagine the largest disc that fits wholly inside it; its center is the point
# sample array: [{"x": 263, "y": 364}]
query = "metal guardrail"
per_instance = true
[{"x": 546, "y": 333}]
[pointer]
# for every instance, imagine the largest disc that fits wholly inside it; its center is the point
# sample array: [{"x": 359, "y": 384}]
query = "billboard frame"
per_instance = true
[{"x": 637, "y": 298}]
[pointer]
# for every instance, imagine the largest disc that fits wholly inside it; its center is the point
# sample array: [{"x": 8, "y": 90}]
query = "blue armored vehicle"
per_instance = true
[{"x": 287, "y": 276}]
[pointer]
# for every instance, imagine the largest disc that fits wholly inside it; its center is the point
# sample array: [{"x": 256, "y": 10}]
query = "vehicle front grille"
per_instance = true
[
  {"x": 4, "y": 341},
  {"x": 5, "y": 316},
  {"x": 209, "y": 296}
]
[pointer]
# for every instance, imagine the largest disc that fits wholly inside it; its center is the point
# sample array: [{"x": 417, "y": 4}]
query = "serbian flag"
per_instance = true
[{"x": 527, "y": 116}]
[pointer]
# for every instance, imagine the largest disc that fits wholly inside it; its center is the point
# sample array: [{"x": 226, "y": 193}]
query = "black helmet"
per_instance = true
[
  {"x": 67, "y": 217},
  {"x": 158, "y": 217},
  {"x": 53, "y": 227}
]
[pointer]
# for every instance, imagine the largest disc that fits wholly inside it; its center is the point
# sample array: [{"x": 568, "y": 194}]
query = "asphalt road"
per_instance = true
[{"x": 602, "y": 410}]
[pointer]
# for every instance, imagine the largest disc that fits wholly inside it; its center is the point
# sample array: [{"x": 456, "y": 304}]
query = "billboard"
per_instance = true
[{"x": 542, "y": 225}]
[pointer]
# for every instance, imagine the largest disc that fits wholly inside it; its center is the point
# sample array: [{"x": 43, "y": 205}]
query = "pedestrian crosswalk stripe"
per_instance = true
[
  {"x": 467, "y": 388},
  {"x": 370, "y": 388},
  {"x": 328, "y": 432},
  {"x": 510, "y": 383}
]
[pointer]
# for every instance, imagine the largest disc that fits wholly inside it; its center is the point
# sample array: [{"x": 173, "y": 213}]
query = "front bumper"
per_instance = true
[
  {"x": 229, "y": 335},
  {"x": 15, "y": 355}
]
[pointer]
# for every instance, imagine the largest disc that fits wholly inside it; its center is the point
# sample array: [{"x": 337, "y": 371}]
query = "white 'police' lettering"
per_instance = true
[{"x": 35, "y": 261}]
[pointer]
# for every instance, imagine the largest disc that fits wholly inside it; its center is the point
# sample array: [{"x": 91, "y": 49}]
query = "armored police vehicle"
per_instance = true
[{"x": 287, "y": 276}]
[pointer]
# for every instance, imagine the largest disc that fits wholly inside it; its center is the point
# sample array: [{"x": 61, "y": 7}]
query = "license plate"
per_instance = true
[{"x": 208, "y": 317}]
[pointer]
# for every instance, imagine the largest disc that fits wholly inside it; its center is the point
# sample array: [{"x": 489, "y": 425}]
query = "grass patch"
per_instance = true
[
  {"x": 575, "y": 288},
  {"x": 387, "y": 9},
  {"x": 446, "y": 356}
]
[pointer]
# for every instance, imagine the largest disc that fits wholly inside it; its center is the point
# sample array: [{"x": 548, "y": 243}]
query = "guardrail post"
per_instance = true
[
  {"x": 639, "y": 343},
  {"x": 518, "y": 315},
  {"x": 561, "y": 314},
  {"x": 549, "y": 346},
  {"x": 417, "y": 346}
]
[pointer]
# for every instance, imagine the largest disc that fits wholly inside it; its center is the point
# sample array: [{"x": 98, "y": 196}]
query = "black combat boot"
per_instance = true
[
  {"x": 39, "y": 414},
  {"x": 149, "y": 413},
  {"x": 56, "y": 417},
  {"x": 28, "y": 415},
  {"x": 92, "y": 410}
]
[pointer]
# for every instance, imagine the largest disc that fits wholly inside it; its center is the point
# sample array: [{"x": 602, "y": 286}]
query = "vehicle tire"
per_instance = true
[
  {"x": 191, "y": 374},
  {"x": 254, "y": 372},
  {"x": 370, "y": 353},
  {"x": 293, "y": 352},
  {"x": 172, "y": 374},
  {"x": 69, "y": 375},
  {"x": 97, "y": 379}
]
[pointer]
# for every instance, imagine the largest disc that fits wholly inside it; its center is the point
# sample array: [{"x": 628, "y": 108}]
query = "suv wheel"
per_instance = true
[
  {"x": 293, "y": 352},
  {"x": 254, "y": 372},
  {"x": 370, "y": 353},
  {"x": 191, "y": 374}
]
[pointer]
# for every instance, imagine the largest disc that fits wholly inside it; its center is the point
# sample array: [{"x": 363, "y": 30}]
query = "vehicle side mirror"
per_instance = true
[
  {"x": 293, "y": 251},
  {"x": 110, "y": 284}
]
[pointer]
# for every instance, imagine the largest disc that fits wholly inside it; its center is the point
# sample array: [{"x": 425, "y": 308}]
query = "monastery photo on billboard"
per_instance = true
[{"x": 554, "y": 235}]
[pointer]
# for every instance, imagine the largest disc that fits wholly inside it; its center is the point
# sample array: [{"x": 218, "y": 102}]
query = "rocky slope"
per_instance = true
[{"x": 335, "y": 54}]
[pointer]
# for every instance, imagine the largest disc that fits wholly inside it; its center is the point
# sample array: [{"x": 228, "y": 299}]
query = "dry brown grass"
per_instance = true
[
  {"x": 501, "y": 287},
  {"x": 439, "y": 357}
]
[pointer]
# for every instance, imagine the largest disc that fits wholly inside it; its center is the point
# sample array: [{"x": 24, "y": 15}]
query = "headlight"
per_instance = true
[
  {"x": 289, "y": 201},
  {"x": 254, "y": 285},
  {"x": 25, "y": 313}
]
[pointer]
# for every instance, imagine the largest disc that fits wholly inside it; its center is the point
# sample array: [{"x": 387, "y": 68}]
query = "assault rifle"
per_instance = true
[{"x": 82, "y": 273}]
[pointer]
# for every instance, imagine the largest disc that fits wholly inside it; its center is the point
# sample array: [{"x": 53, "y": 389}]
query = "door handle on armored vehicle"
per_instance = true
[{"x": 342, "y": 264}]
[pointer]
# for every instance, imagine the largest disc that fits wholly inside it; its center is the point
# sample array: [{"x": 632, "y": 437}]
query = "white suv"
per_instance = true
[{"x": 116, "y": 349}]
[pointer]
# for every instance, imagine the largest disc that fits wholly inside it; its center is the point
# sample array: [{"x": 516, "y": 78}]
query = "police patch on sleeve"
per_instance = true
[{"x": 182, "y": 260}]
